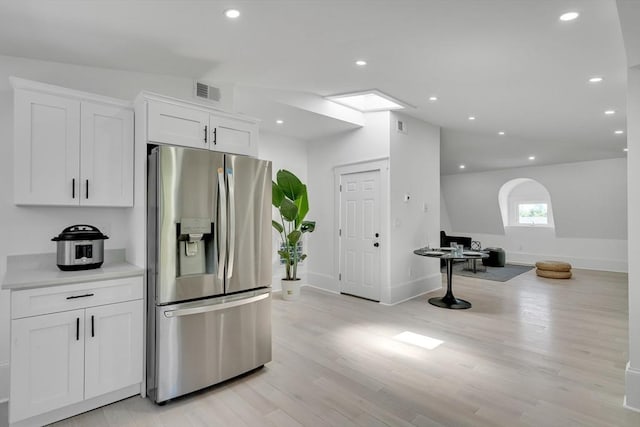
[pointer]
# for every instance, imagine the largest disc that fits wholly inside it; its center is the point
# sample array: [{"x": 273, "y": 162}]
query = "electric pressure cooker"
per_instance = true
[{"x": 80, "y": 247}]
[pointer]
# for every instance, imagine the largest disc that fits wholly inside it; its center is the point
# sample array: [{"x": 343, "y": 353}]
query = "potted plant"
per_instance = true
[{"x": 289, "y": 196}]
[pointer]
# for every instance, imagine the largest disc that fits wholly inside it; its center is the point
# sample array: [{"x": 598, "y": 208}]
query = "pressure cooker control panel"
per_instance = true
[{"x": 84, "y": 251}]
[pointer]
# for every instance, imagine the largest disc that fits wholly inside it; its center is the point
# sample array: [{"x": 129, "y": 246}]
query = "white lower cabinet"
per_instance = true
[
  {"x": 113, "y": 347},
  {"x": 47, "y": 363},
  {"x": 71, "y": 357}
]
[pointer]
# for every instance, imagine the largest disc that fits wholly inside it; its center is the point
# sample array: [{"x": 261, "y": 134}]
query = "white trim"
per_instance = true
[
  {"x": 78, "y": 408},
  {"x": 381, "y": 165},
  {"x": 323, "y": 281},
  {"x": 4, "y": 381},
  {"x": 20, "y": 83},
  {"x": 414, "y": 288},
  {"x": 598, "y": 264},
  {"x": 320, "y": 289},
  {"x": 632, "y": 388}
]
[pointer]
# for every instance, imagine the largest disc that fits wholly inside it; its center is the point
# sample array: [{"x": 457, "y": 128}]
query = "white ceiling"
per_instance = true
[{"x": 512, "y": 64}]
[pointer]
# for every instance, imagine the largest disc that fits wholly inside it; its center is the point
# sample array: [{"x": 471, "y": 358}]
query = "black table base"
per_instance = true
[
  {"x": 449, "y": 301},
  {"x": 452, "y": 302}
]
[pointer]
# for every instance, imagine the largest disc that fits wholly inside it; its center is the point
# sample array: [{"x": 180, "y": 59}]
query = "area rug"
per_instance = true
[{"x": 497, "y": 274}]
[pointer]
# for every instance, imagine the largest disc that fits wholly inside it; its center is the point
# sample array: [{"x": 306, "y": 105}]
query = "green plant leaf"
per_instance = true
[
  {"x": 302, "y": 203},
  {"x": 289, "y": 184},
  {"x": 302, "y": 257},
  {"x": 277, "y": 226},
  {"x": 284, "y": 255},
  {"x": 288, "y": 210},
  {"x": 307, "y": 226},
  {"x": 293, "y": 237},
  {"x": 276, "y": 194}
]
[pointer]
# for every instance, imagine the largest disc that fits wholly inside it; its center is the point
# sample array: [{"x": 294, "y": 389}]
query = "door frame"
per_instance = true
[{"x": 381, "y": 165}]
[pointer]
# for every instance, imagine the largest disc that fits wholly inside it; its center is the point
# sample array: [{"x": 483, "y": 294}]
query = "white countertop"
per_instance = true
[{"x": 40, "y": 270}]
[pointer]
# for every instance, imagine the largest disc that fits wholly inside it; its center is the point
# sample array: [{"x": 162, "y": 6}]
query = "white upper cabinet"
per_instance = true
[
  {"x": 177, "y": 125},
  {"x": 176, "y": 122},
  {"x": 233, "y": 135},
  {"x": 47, "y": 147},
  {"x": 106, "y": 155},
  {"x": 71, "y": 148}
]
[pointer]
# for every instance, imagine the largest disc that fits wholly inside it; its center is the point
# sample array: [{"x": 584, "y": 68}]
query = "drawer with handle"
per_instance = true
[{"x": 53, "y": 299}]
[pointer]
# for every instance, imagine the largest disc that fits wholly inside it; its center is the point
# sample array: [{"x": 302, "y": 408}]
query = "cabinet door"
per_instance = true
[
  {"x": 176, "y": 125},
  {"x": 46, "y": 149},
  {"x": 113, "y": 352},
  {"x": 47, "y": 354},
  {"x": 106, "y": 160},
  {"x": 234, "y": 136}
]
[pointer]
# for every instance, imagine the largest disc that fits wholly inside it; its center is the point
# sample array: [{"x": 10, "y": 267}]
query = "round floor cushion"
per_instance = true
[
  {"x": 554, "y": 266},
  {"x": 550, "y": 274}
]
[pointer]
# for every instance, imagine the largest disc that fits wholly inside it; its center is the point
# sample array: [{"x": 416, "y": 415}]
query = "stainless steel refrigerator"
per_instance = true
[{"x": 209, "y": 268}]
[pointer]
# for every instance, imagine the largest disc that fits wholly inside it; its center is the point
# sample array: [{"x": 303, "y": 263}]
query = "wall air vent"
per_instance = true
[
  {"x": 401, "y": 126},
  {"x": 205, "y": 91}
]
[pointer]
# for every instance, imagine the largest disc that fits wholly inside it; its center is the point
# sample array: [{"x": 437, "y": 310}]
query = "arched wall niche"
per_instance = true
[{"x": 523, "y": 190}]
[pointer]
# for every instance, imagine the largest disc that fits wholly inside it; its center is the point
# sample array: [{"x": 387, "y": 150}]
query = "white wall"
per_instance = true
[
  {"x": 632, "y": 392},
  {"x": 367, "y": 143},
  {"x": 414, "y": 170},
  {"x": 589, "y": 201},
  {"x": 290, "y": 154},
  {"x": 26, "y": 230}
]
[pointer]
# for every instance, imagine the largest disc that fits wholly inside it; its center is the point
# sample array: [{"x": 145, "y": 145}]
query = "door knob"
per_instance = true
[{"x": 376, "y": 244}]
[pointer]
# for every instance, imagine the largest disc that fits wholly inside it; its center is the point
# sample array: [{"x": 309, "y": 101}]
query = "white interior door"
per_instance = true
[{"x": 360, "y": 234}]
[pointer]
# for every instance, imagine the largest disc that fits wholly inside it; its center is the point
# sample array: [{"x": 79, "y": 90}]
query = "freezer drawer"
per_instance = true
[{"x": 202, "y": 343}]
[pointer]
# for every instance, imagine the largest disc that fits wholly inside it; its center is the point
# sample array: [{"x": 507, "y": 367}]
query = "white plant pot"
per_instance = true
[{"x": 290, "y": 289}]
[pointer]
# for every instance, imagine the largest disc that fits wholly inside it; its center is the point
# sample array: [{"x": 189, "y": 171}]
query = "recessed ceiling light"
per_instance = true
[
  {"x": 595, "y": 79},
  {"x": 472, "y": 118},
  {"x": 462, "y": 166},
  {"x": 368, "y": 100},
  {"x": 433, "y": 98},
  {"x": 279, "y": 121},
  {"x": 501, "y": 132},
  {"x": 569, "y": 16},
  {"x": 232, "y": 13},
  {"x": 532, "y": 157},
  {"x": 625, "y": 149},
  {"x": 361, "y": 63},
  {"x": 619, "y": 132},
  {"x": 610, "y": 112}
]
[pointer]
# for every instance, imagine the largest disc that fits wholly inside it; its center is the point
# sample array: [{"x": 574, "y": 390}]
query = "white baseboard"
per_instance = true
[
  {"x": 576, "y": 262},
  {"x": 323, "y": 281},
  {"x": 408, "y": 290},
  {"x": 632, "y": 389},
  {"x": 4, "y": 381}
]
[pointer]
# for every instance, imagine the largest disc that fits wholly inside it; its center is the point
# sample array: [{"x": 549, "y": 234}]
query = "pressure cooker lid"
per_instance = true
[{"x": 80, "y": 232}]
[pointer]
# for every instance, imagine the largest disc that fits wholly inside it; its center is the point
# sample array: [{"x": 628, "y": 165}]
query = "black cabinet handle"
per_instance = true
[
  {"x": 87, "y": 195},
  {"x": 376, "y": 244},
  {"x": 205, "y": 134},
  {"x": 77, "y": 329},
  {"x": 215, "y": 136},
  {"x": 73, "y": 188},
  {"x": 80, "y": 296},
  {"x": 92, "y": 328}
]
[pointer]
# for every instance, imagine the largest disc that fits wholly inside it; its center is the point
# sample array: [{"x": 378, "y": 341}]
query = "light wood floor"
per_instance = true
[{"x": 531, "y": 351}]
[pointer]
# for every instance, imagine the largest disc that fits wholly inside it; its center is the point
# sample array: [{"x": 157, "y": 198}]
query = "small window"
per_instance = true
[{"x": 532, "y": 213}]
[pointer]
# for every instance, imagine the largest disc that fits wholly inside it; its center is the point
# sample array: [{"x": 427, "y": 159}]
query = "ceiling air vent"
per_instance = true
[{"x": 205, "y": 91}]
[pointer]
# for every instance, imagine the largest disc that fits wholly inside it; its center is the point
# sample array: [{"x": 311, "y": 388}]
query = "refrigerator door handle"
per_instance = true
[
  {"x": 214, "y": 307},
  {"x": 222, "y": 225},
  {"x": 232, "y": 223}
]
